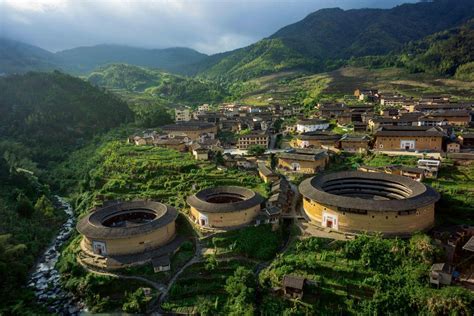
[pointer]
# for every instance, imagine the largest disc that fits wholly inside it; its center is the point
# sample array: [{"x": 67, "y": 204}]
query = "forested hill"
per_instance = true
[
  {"x": 50, "y": 113},
  {"x": 327, "y": 38},
  {"x": 158, "y": 84},
  {"x": 446, "y": 53},
  {"x": 18, "y": 57},
  {"x": 85, "y": 59}
]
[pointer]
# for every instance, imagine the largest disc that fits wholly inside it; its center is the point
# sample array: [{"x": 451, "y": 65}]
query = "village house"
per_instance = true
[
  {"x": 355, "y": 143},
  {"x": 453, "y": 147},
  {"x": 192, "y": 129},
  {"x": 283, "y": 195},
  {"x": 441, "y": 274},
  {"x": 430, "y": 107},
  {"x": 360, "y": 127},
  {"x": 332, "y": 110},
  {"x": 266, "y": 174},
  {"x": 177, "y": 143},
  {"x": 467, "y": 140},
  {"x": 199, "y": 152},
  {"x": 370, "y": 95},
  {"x": 389, "y": 100},
  {"x": 303, "y": 160},
  {"x": 408, "y": 138},
  {"x": 182, "y": 114},
  {"x": 454, "y": 118},
  {"x": 270, "y": 215},
  {"x": 311, "y": 125},
  {"x": 361, "y": 113},
  {"x": 316, "y": 140},
  {"x": 408, "y": 119},
  {"x": 416, "y": 174},
  {"x": 430, "y": 166},
  {"x": 344, "y": 118},
  {"x": 204, "y": 108},
  {"x": 252, "y": 139},
  {"x": 293, "y": 286}
]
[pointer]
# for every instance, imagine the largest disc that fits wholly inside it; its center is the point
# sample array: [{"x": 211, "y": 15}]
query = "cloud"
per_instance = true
[{"x": 209, "y": 26}]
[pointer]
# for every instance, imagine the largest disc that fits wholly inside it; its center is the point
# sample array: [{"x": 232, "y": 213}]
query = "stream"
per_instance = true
[{"x": 45, "y": 278}]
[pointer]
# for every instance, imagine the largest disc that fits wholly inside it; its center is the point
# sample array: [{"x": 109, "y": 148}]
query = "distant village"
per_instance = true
[{"x": 430, "y": 127}]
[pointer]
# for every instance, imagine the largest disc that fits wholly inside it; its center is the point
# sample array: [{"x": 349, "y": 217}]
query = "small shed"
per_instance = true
[
  {"x": 441, "y": 274},
  {"x": 161, "y": 263},
  {"x": 293, "y": 286}
]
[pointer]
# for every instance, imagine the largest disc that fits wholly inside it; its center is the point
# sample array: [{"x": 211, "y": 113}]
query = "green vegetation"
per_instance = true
[
  {"x": 157, "y": 85},
  {"x": 101, "y": 293},
  {"x": 456, "y": 185},
  {"x": 28, "y": 222},
  {"x": 115, "y": 170},
  {"x": 264, "y": 57},
  {"x": 327, "y": 38},
  {"x": 52, "y": 113},
  {"x": 447, "y": 53},
  {"x": 369, "y": 275},
  {"x": 256, "y": 150},
  {"x": 212, "y": 291},
  {"x": 259, "y": 243}
]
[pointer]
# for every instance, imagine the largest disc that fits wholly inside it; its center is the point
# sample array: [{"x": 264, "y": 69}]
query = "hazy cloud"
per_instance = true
[{"x": 209, "y": 26}]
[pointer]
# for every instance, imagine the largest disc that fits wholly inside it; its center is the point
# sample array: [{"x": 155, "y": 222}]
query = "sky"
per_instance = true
[{"x": 209, "y": 26}]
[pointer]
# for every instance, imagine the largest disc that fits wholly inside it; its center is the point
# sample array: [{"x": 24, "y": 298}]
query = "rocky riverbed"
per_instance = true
[{"x": 45, "y": 279}]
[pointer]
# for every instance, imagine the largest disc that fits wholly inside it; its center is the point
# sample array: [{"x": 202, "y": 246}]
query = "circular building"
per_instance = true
[
  {"x": 355, "y": 201},
  {"x": 127, "y": 228},
  {"x": 224, "y": 207}
]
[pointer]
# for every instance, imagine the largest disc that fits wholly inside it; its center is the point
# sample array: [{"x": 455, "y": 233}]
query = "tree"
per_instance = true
[
  {"x": 241, "y": 288},
  {"x": 256, "y": 150},
  {"x": 136, "y": 302},
  {"x": 24, "y": 206},
  {"x": 421, "y": 248},
  {"x": 44, "y": 205}
]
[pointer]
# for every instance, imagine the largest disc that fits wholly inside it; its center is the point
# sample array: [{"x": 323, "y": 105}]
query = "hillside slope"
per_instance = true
[
  {"x": 50, "y": 113},
  {"x": 17, "y": 57},
  {"x": 327, "y": 38},
  {"x": 85, "y": 59},
  {"x": 158, "y": 84}
]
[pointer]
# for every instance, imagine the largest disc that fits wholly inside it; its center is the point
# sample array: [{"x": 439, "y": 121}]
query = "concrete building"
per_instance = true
[
  {"x": 356, "y": 202},
  {"x": 182, "y": 115},
  {"x": 224, "y": 207},
  {"x": 311, "y": 125},
  {"x": 252, "y": 139}
]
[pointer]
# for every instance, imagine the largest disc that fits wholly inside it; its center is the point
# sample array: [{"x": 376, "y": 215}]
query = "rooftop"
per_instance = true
[
  {"x": 124, "y": 219},
  {"x": 368, "y": 191},
  {"x": 224, "y": 199}
]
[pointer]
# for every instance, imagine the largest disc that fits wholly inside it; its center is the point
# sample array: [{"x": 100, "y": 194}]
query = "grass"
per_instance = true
[{"x": 260, "y": 243}]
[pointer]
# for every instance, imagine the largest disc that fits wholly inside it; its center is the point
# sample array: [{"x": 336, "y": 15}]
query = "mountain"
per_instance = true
[
  {"x": 50, "y": 113},
  {"x": 326, "y": 38},
  {"x": 85, "y": 59},
  {"x": 157, "y": 83},
  {"x": 449, "y": 53},
  {"x": 17, "y": 57},
  {"x": 446, "y": 53}
]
